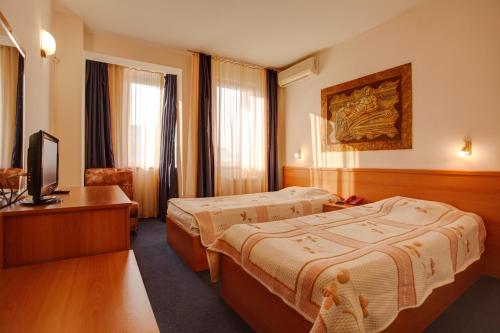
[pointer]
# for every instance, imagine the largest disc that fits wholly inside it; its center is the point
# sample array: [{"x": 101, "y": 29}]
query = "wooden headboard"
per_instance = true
[{"x": 472, "y": 191}]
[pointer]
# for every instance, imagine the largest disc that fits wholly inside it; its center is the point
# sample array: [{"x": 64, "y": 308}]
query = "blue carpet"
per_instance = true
[
  {"x": 477, "y": 310},
  {"x": 184, "y": 301}
]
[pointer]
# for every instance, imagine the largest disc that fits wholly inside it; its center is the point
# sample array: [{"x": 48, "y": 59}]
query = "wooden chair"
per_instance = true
[{"x": 122, "y": 177}]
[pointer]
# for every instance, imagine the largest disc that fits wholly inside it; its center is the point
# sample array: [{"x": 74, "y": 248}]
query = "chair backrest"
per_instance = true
[
  {"x": 9, "y": 173},
  {"x": 122, "y": 177}
]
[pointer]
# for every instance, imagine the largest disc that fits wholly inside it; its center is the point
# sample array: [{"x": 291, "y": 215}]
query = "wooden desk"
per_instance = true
[
  {"x": 89, "y": 220},
  {"x": 102, "y": 293}
]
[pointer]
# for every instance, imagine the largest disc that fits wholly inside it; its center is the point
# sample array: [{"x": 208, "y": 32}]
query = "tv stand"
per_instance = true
[
  {"x": 90, "y": 220},
  {"x": 45, "y": 200}
]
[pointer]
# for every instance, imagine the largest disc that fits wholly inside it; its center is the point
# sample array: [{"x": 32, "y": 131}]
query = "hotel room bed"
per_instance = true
[
  {"x": 354, "y": 270},
  {"x": 195, "y": 223}
]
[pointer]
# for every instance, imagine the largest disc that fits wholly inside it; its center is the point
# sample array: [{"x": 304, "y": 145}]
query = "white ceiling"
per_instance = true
[{"x": 265, "y": 32}]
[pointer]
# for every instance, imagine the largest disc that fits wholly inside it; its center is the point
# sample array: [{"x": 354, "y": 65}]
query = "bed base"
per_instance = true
[
  {"x": 187, "y": 246},
  {"x": 266, "y": 312}
]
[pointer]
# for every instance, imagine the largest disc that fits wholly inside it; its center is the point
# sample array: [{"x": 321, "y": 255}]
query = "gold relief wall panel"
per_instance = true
[{"x": 370, "y": 113}]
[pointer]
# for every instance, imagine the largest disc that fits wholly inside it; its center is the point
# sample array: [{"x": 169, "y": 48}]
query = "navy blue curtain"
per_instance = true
[
  {"x": 17, "y": 151},
  {"x": 98, "y": 148},
  {"x": 272, "y": 158},
  {"x": 205, "y": 175},
  {"x": 168, "y": 169}
]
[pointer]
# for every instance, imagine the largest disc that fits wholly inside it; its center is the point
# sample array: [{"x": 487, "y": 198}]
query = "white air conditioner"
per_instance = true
[{"x": 297, "y": 72}]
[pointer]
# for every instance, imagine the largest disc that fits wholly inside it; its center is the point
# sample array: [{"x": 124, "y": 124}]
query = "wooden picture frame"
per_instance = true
[{"x": 369, "y": 113}]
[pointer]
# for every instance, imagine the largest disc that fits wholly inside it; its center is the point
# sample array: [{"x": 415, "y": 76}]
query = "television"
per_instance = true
[{"x": 43, "y": 167}]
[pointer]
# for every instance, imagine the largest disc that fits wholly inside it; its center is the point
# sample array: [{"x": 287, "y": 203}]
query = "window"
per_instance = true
[
  {"x": 239, "y": 125},
  {"x": 136, "y": 103},
  {"x": 144, "y": 101}
]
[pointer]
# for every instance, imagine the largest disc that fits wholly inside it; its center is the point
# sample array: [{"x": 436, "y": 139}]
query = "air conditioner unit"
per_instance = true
[{"x": 297, "y": 72}]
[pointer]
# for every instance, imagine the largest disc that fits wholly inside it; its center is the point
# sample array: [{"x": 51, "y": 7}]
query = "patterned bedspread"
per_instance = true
[
  {"x": 353, "y": 270},
  {"x": 215, "y": 215}
]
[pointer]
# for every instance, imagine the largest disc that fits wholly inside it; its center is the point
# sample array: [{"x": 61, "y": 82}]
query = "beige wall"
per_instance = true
[
  {"x": 67, "y": 96},
  {"x": 454, "y": 47},
  {"x": 135, "y": 49},
  {"x": 27, "y": 18}
]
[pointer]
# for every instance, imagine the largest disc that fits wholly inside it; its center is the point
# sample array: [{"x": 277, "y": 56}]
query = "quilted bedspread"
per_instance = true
[
  {"x": 215, "y": 215},
  {"x": 353, "y": 270}
]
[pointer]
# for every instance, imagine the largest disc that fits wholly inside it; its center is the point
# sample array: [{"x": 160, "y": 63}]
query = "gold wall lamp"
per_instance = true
[
  {"x": 298, "y": 155},
  {"x": 47, "y": 44},
  {"x": 467, "y": 148}
]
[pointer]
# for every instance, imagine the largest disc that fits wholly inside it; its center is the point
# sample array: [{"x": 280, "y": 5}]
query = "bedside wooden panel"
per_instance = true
[
  {"x": 330, "y": 207},
  {"x": 471, "y": 191}
]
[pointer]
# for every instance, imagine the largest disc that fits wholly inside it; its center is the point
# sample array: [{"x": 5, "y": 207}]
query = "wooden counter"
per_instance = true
[
  {"x": 89, "y": 220},
  {"x": 102, "y": 293}
]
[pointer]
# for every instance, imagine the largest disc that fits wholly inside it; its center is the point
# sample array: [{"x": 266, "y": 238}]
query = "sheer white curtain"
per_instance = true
[
  {"x": 9, "y": 58},
  {"x": 138, "y": 125},
  {"x": 239, "y": 119},
  {"x": 187, "y": 147}
]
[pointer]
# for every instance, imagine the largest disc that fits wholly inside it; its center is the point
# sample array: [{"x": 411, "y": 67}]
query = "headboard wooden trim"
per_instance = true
[{"x": 473, "y": 191}]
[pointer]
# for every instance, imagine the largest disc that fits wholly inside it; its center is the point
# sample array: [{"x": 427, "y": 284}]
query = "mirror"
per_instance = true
[{"x": 11, "y": 99}]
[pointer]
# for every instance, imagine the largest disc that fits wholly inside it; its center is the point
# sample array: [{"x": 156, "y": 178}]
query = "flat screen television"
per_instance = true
[{"x": 43, "y": 167}]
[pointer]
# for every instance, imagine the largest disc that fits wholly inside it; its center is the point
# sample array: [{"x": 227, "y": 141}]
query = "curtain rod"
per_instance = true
[
  {"x": 234, "y": 61},
  {"x": 139, "y": 69}
]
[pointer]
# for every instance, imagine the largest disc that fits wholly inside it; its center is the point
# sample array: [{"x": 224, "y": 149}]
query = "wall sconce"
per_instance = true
[
  {"x": 47, "y": 44},
  {"x": 298, "y": 155},
  {"x": 467, "y": 148}
]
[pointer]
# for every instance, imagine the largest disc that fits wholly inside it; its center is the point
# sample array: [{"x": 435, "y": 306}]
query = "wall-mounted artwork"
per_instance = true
[{"x": 370, "y": 113}]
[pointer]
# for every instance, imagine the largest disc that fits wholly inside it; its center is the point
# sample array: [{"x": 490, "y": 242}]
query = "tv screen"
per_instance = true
[
  {"x": 49, "y": 162},
  {"x": 43, "y": 164}
]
